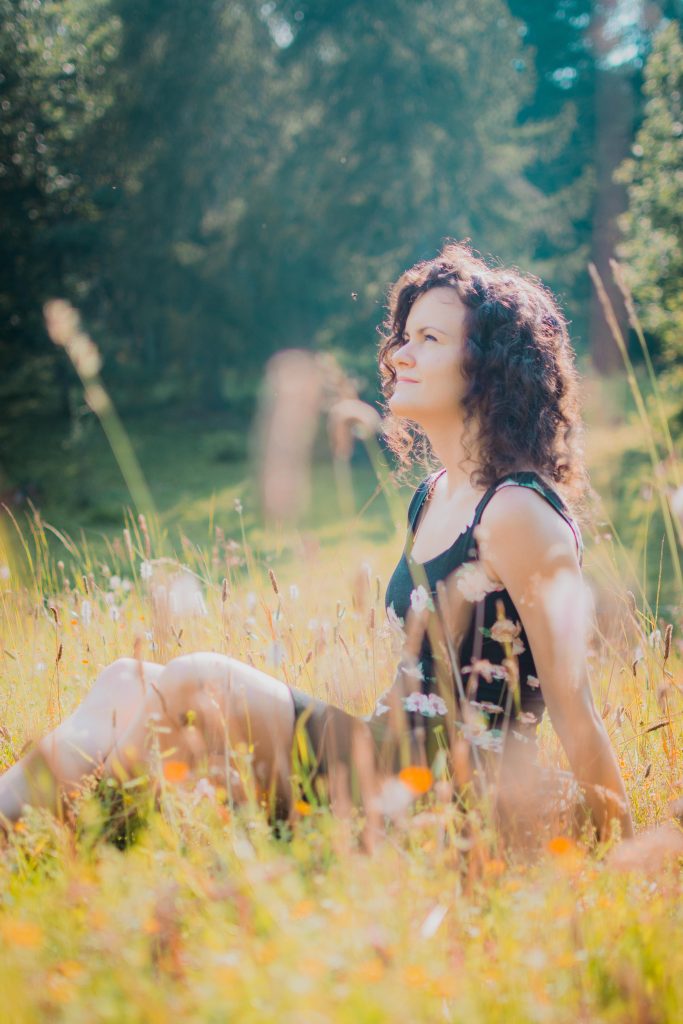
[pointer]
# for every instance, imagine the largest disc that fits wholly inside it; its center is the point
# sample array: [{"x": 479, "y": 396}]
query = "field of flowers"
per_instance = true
[{"x": 207, "y": 913}]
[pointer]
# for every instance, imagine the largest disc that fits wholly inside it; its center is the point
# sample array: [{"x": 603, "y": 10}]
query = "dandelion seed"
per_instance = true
[{"x": 394, "y": 798}]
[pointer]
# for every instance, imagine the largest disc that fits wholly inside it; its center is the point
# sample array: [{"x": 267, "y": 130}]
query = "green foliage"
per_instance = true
[{"x": 653, "y": 246}]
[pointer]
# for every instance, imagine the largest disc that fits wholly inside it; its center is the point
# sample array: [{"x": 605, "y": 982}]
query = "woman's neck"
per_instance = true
[{"x": 446, "y": 442}]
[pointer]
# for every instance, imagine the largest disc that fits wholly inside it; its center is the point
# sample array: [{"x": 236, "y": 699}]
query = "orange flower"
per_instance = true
[
  {"x": 302, "y": 807},
  {"x": 176, "y": 771},
  {"x": 560, "y": 846},
  {"x": 417, "y": 778},
  {"x": 494, "y": 868},
  {"x": 22, "y": 933}
]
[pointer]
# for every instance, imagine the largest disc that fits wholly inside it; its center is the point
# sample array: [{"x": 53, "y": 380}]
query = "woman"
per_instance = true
[{"x": 477, "y": 361}]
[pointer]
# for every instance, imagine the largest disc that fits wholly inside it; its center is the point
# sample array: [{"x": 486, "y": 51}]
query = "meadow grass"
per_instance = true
[{"x": 208, "y": 913}]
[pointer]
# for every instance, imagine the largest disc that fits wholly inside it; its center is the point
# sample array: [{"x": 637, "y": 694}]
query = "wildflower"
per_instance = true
[
  {"x": 380, "y": 708},
  {"x": 395, "y": 621},
  {"x": 474, "y": 583},
  {"x": 237, "y": 505},
  {"x": 483, "y": 667},
  {"x": 560, "y": 846},
  {"x": 412, "y": 671},
  {"x": 302, "y": 807},
  {"x": 114, "y": 582},
  {"x": 394, "y": 797},
  {"x": 676, "y": 503},
  {"x": 86, "y": 613},
  {"x": 420, "y": 600},
  {"x": 146, "y": 570},
  {"x": 527, "y": 718},
  {"x": 126, "y": 585},
  {"x": 487, "y": 706},
  {"x": 203, "y": 791},
  {"x": 506, "y": 632},
  {"x": 114, "y": 613},
  {"x": 417, "y": 778},
  {"x": 294, "y": 592},
  {"x": 275, "y": 654},
  {"x": 175, "y": 771},
  {"x": 430, "y": 705},
  {"x": 185, "y": 595},
  {"x": 4, "y": 572}
]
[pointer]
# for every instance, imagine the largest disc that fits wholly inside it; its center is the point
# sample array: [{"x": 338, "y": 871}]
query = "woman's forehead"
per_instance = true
[{"x": 439, "y": 307}]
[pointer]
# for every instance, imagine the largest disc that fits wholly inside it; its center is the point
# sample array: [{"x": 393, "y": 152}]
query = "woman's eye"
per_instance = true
[{"x": 430, "y": 337}]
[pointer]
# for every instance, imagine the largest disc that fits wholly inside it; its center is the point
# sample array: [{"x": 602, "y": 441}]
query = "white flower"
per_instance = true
[
  {"x": 4, "y": 572},
  {"x": 473, "y": 582},
  {"x": 203, "y": 790},
  {"x": 146, "y": 570},
  {"x": 430, "y": 705},
  {"x": 676, "y": 502},
  {"x": 114, "y": 582},
  {"x": 487, "y": 706},
  {"x": 395, "y": 621},
  {"x": 237, "y": 505},
  {"x": 504, "y": 631},
  {"x": 275, "y": 654},
  {"x": 533, "y": 682},
  {"x": 110, "y": 599},
  {"x": 126, "y": 584},
  {"x": 438, "y": 704},
  {"x": 381, "y": 708},
  {"x": 294, "y": 592},
  {"x": 394, "y": 798},
  {"x": 412, "y": 671},
  {"x": 420, "y": 600},
  {"x": 86, "y": 613},
  {"x": 655, "y": 638},
  {"x": 527, "y": 718},
  {"x": 483, "y": 667},
  {"x": 185, "y": 595}
]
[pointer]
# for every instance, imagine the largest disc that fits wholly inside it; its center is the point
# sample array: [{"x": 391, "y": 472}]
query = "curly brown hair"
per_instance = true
[{"x": 522, "y": 386}]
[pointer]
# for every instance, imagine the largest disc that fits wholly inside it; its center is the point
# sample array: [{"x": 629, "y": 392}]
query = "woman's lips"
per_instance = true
[{"x": 406, "y": 380}]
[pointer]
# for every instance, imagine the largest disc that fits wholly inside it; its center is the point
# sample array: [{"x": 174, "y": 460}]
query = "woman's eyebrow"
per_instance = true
[{"x": 428, "y": 327}]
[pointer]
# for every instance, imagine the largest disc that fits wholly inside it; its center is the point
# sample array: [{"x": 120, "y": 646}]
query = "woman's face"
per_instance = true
[{"x": 429, "y": 384}]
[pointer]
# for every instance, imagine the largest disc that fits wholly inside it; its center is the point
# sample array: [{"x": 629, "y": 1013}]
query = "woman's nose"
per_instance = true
[{"x": 403, "y": 356}]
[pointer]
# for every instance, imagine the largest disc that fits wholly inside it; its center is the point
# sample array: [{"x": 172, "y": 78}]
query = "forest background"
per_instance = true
[{"x": 211, "y": 182}]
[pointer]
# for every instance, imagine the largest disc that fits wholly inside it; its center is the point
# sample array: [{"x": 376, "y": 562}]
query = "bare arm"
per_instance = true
[{"x": 526, "y": 545}]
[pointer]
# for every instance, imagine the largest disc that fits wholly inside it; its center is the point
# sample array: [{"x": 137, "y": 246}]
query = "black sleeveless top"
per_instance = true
[{"x": 482, "y": 647}]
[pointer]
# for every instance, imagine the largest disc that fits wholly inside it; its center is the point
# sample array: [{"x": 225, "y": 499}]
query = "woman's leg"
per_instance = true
[
  {"x": 201, "y": 707},
  {"x": 81, "y": 742}
]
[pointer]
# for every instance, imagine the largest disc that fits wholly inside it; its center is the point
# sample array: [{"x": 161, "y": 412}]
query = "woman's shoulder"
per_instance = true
[{"x": 524, "y": 502}]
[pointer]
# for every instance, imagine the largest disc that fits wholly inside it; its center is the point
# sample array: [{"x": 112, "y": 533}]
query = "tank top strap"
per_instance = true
[
  {"x": 422, "y": 491},
  {"x": 529, "y": 478}
]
